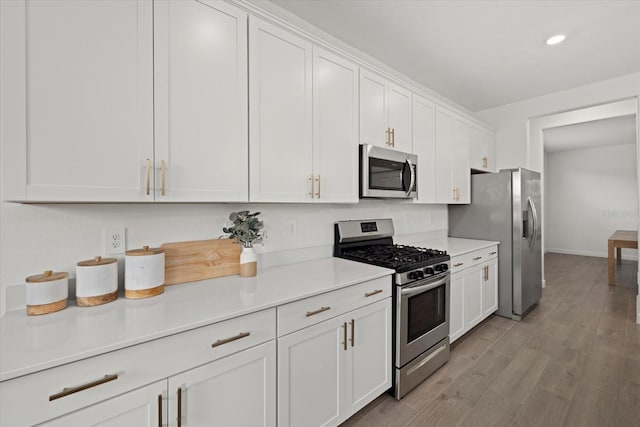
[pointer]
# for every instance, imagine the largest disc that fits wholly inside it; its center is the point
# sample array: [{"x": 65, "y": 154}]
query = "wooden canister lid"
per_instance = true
[
  {"x": 47, "y": 276},
  {"x": 98, "y": 260},
  {"x": 146, "y": 250}
]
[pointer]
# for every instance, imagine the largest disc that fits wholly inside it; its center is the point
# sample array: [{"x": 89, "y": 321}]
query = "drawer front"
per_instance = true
[
  {"x": 38, "y": 397},
  {"x": 300, "y": 314},
  {"x": 474, "y": 258},
  {"x": 459, "y": 262}
]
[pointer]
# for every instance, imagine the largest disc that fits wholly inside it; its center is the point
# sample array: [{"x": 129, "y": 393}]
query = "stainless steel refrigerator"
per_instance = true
[{"x": 505, "y": 207}]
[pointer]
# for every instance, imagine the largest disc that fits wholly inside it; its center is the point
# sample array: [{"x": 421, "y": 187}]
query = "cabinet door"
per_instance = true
[
  {"x": 311, "y": 375},
  {"x": 141, "y": 407},
  {"x": 444, "y": 155},
  {"x": 456, "y": 307},
  {"x": 460, "y": 172},
  {"x": 201, "y": 139},
  {"x": 490, "y": 288},
  {"x": 374, "y": 120},
  {"x": 477, "y": 149},
  {"x": 238, "y": 390},
  {"x": 490, "y": 144},
  {"x": 424, "y": 145},
  {"x": 280, "y": 106},
  {"x": 77, "y": 102},
  {"x": 400, "y": 118},
  {"x": 369, "y": 358},
  {"x": 335, "y": 128},
  {"x": 472, "y": 297}
]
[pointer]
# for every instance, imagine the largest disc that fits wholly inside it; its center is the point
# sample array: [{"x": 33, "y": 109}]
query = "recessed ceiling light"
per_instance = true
[{"x": 558, "y": 38}]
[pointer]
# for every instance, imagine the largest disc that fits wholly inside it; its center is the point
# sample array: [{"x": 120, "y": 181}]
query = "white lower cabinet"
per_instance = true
[
  {"x": 456, "y": 310},
  {"x": 224, "y": 371},
  {"x": 474, "y": 290},
  {"x": 328, "y": 371},
  {"x": 141, "y": 407},
  {"x": 490, "y": 288},
  {"x": 238, "y": 390}
]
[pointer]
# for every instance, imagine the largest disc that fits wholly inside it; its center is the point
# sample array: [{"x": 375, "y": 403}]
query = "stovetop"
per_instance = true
[{"x": 398, "y": 257}]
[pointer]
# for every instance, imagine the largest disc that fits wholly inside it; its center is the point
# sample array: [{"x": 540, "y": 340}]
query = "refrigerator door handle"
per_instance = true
[{"x": 534, "y": 213}]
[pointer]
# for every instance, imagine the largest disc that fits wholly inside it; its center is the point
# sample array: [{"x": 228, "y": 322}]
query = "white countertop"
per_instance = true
[
  {"x": 32, "y": 343},
  {"x": 453, "y": 245}
]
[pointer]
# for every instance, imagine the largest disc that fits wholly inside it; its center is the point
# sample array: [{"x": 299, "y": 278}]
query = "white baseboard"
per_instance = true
[{"x": 631, "y": 256}]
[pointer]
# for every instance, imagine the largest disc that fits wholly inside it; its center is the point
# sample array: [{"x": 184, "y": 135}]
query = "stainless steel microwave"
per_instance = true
[{"x": 386, "y": 173}]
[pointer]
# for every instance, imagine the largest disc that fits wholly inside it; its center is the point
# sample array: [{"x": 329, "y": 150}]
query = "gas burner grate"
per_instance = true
[{"x": 392, "y": 256}]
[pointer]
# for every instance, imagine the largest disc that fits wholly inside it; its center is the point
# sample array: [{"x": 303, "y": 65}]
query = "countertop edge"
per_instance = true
[{"x": 375, "y": 273}]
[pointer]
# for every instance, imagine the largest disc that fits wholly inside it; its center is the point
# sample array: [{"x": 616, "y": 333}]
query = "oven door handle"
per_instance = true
[{"x": 413, "y": 290}]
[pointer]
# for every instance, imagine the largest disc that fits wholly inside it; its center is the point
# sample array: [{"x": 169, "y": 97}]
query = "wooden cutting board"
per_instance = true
[{"x": 200, "y": 259}]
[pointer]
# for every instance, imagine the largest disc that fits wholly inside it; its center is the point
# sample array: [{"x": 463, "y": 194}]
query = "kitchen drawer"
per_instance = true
[
  {"x": 477, "y": 257},
  {"x": 29, "y": 399},
  {"x": 300, "y": 314}
]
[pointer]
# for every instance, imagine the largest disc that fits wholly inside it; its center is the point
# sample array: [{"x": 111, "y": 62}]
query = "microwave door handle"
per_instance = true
[
  {"x": 413, "y": 290},
  {"x": 413, "y": 176}
]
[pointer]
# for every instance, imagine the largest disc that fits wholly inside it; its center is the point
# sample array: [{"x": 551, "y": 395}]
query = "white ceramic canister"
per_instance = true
[
  {"x": 143, "y": 272},
  {"x": 47, "y": 292},
  {"x": 96, "y": 281}
]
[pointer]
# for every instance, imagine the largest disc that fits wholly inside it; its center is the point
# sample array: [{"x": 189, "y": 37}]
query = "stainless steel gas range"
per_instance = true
[{"x": 420, "y": 293}]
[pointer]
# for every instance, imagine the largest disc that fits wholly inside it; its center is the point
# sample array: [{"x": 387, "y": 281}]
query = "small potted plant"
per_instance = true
[{"x": 247, "y": 230}]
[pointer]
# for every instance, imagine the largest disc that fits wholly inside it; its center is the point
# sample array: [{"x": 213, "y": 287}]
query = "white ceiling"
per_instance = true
[
  {"x": 612, "y": 131},
  {"x": 486, "y": 53}
]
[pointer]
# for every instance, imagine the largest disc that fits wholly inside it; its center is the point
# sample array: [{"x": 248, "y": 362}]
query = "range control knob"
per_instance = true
[
  {"x": 429, "y": 271},
  {"x": 415, "y": 275},
  {"x": 441, "y": 267}
]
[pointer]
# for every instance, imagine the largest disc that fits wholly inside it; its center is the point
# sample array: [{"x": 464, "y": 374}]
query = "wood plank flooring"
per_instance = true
[{"x": 572, "y": 361}]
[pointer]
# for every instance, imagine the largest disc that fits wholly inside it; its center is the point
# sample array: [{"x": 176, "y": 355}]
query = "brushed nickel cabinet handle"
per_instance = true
[
  {"x": 393, "y": 137},
  {"x": 71, "y": 390},
  {"x": 372, "y": 293},
  {"x": 160, "y": 410},
  {"x": 477, "y": 258},
  {"x": 311, "y": 185},
  {"x": 318, "y": 311},
  {"x": 344, "y": 342},
  {"x": 179, "y": 406},
  {"x": 458, "y": 264},
  {"x": 484, "y": 162},
  {"x": 318, "y": 181},
  {"x": 147, "y": 175},
  {"x": 388, "y": 132},
  {"x": 230, "y": 339},
  {"x": 162, "y": 175},
  {"x": 353, "y": 333}
]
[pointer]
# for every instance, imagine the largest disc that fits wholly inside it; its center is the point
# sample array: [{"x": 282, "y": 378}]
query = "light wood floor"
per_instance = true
[{"x": 573, "y": 361}]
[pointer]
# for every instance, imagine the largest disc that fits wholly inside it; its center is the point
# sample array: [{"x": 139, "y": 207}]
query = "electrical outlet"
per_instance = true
[{"x": 115, "y": 241}]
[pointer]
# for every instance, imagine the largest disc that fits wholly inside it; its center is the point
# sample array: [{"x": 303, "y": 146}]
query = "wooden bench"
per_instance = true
[{"x": 618, "y": 240}]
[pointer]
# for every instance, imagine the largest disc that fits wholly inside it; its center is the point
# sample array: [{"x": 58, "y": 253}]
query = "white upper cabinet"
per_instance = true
[
  {"x": 280, "y": 108},
  {"x": 453, "y": 178},
  {"x": 201, "y": 111},
  {"x": 77, "y": 100},
  {"x": 460, "y": 173},
  {"x": 424, "y": 145},
  {"x": 385, "y": 113},
  {"x": 335, "y": 128},
  {"x": 303, "y": 120},
  {"x": 482, "y": 149}
]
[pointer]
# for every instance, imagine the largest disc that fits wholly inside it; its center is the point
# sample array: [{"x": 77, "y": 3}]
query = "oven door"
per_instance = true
[
  {"x": 422, "y": 317},
  {"x": 387, "y": 173}
]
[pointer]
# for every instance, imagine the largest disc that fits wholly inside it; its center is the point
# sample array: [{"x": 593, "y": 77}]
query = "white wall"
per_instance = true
[
  {"x": 511, "y": 121},
  {"x": 55, "y": 237},
  {"x": 589, "y": 193}
]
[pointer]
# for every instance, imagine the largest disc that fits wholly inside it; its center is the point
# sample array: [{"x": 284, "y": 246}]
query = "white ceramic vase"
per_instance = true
[{"x": 248, "y": 262}]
